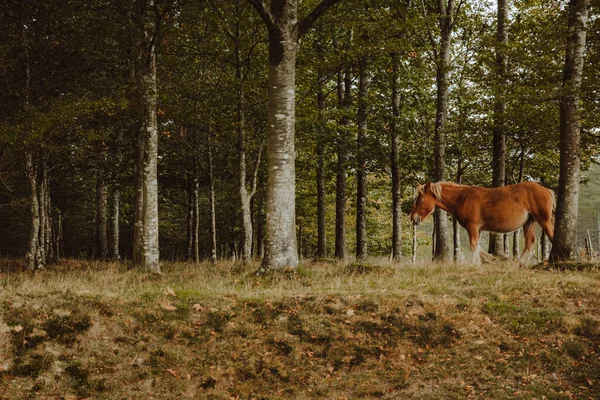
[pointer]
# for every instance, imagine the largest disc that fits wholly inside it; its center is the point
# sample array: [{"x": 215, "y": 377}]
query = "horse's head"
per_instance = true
[{"x": 424, "y": 204}]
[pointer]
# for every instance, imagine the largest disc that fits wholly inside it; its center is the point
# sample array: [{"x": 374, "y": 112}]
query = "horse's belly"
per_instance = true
[{"x": 504, "y": 222}]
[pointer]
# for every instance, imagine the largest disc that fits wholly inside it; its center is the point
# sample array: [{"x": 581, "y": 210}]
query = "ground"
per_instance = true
[{"x": 327, "y": 330}]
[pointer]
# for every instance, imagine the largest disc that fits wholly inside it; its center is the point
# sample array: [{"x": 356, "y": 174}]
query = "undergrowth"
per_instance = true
[{"x": 326, "y": 330}]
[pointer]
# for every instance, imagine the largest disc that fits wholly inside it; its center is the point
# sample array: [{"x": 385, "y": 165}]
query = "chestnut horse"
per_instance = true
[{"x": 502, "y": 210}]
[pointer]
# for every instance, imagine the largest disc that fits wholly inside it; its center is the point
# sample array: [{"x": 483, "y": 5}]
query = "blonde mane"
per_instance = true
[{"x": 435, "y": 188}]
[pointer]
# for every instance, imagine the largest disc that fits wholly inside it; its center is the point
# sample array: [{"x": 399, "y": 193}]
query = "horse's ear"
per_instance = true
[{"x": 427, "y": 187}]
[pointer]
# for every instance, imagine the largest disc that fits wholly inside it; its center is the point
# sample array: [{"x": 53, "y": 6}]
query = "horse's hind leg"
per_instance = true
[
  {"x": 474, "y": 244},
  {"x": 529, "y": 233}
]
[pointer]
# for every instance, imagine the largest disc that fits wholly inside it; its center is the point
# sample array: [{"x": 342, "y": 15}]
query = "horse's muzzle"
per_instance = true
[{"x": 416, "y": 219}]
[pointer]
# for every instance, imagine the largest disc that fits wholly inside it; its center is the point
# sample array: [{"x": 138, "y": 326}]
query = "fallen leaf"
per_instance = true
[
  {"x": 173, "y": 372},
  {"x": 170, "y": 292},
  {"x": 350, "y": 312},
  {"x": 197, "y": 307},
  {"x": 18, "y": 328},
  {"x": 168, "y": 307}
]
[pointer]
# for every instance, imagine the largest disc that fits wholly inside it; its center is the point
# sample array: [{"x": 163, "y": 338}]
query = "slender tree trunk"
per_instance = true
[
  {"x": 458, "y": 256},
  {"x": 245, "y": 197},
  {"x": 101, "y": 218},
  {"x": 565, "y": 235},
  {"x": 196, "y": 212},
  {"x": 394, "y": 159},
  {"x": 213, "y": 219},
  {"x": 42, "y": 249},
  {"x": 442, "y": 246},
  {"x": 31, "y": 164},
  {"x": 59, "y": 246},
  {"x": 146, "y": 246},
  {"x": 361, "y": 189},
  {"x": 496, "y": 245},
  {"x": 115, "y": 215},
  {"x": 516, "y": 235},
  {"x": 190, "y": 220},
  {"x": 150, "y": 254},
  {"x": 138, "y": 208},
  {"x": 48, "y": 218},
  {"x": 414, "y": 244},
  {"x": 344, "y": 101},
  {"x": 320, "y": 180},
  {"x": 31, "y": 258},
  {"x": 115, "y": 202}
]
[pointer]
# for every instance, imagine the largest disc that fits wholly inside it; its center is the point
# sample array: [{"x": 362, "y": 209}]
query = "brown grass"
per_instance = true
[{"x": 331, "y": 331}]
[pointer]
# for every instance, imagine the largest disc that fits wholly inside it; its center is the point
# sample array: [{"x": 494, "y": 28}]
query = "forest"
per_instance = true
[
  {"x": 207, "y": 129},
  {"x": 212, "y": 199}
]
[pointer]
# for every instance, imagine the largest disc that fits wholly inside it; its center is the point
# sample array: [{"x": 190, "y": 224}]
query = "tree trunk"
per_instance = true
[
  {"x": 361, "y": 168},
  {"x": 190, "y": 220},
  {"x": 565, "y": 235},
  {"x": 458, "y": 255},
  {"x": 284, "y": 31},
  {"x": 280, "y": 241},
  {"x": 320, "y": 180},
  {"x": 414, "y": 244},
  {"x": 395, "y": 169},
  {"x": 115, "y": 201},
  {"x": 101, "y": 218},
  {"x": 344, "y": 102},
  {"x": 195, "y": 205},
  {"x": 442, "y": 247},
  {"x": 150, "y": 254},
  {"x": 496, "y": 245},
  {"x": 213, "y": 219},
  {"x": 32, "y": 258},
  {"x": 146, "y": 246}
]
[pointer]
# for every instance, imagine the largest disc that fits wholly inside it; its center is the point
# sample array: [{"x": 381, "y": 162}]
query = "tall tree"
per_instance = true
[
  {"x": 446, "y": 14},
  {"x": 344, "y": 95},
  {"x": 496, "y": 246},
  {"x": 565, "y": 235},
  {"x": 361, "y": 167},
  {"x": 394, "y": 162},
  {"x": 149, "y": 16},
  {"x": 284, "y": 33}
]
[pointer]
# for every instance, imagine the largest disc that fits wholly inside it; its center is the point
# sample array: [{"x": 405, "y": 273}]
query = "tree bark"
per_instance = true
[
  {"x": 195, "y": 207},
  {"x": 320, "y": 180},
  {"x": 146, "y": 246},
  {"x": 361, "y": 168},
  {"x": 496, "y": 245},
  {"x": 115, "y": 201},
  {"x": 394, "y": 158},
  {"x": 31, "y": 257},
  {"x": 101, "y": 218},
  {"x": 565, "y": 235},
  {"x": 458, "y": 255},
  {"x": 284, "y": 31},
  {"x": 442, "y": 247},
  {"x": 213, "y": 218},
  {"x": 344, "y": 102}
]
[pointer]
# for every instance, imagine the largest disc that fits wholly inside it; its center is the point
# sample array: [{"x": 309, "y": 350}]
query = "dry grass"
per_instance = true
[{"x": 96, "y": 330}]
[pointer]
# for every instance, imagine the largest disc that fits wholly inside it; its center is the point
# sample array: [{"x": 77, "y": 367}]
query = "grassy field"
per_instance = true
[{"x": 330, "y": 331}]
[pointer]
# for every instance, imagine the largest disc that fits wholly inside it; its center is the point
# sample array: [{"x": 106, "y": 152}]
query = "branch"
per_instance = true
[
  {"x": 456, "y": 14},
  {"x": 310, "y": 19},
  {"x": 264, "y": 14}
]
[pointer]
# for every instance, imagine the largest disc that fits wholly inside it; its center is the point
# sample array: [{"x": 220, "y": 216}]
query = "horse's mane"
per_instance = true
[{"x": 435, "y": 188}]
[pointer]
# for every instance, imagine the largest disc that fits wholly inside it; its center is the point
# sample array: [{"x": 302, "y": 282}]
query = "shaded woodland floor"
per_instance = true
[{"x": 96, "y": 330}]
